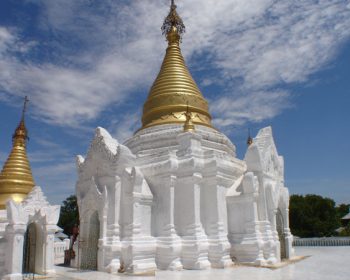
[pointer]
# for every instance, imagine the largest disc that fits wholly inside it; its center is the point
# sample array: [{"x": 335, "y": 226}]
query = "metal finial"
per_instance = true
[
  {"x": 250, "y": 139},
  {"x": 21, "y": 135},
  {"x": 26, "y": 100}
]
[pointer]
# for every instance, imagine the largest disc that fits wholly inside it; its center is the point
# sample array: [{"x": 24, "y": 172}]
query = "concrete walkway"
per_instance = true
[{"x": 323, "y": 263}]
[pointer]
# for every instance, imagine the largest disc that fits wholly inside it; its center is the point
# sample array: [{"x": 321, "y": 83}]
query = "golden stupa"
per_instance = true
[
  {"x": 174, "y": 91},
  {"x": 16, "y": 179}
]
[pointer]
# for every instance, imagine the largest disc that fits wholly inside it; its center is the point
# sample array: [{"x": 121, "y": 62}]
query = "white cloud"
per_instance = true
[
  {"x": 254, "y": 107},
  {"x": 6, "y": 39},
  {"x": 57, "y": 180},
  {"x": 124, "y": 127},
  {"x": 49, "y": 151},
  {"x": 253, "y": 48},
  {"x": 259, "y": 47}
]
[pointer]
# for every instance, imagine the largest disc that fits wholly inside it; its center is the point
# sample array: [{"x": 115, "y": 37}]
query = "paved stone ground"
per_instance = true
[{"x": 323, "y": 263}]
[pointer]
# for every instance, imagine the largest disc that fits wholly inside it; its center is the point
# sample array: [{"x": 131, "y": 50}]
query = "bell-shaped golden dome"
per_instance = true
[
  {"x": 16, "y": 179},
  {"x": 174, "y": 90}
]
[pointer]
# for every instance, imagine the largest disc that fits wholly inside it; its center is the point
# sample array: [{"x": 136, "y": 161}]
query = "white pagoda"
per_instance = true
[
  {"x": 27, "y": 221},
  {"x": 175, "y": 196}
]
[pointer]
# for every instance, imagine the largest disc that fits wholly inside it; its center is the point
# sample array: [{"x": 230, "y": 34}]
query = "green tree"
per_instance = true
[
  {"x": 345, "y": 231},
  {"x": 313, "y": 216},
  {"x": 342, "y": 210},
  {"x": 69, "y": 215}
]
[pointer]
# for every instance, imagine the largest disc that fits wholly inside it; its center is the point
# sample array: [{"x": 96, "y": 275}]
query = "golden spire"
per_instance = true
[
  {"x": 174, "y": 86},
  {"x": 16, "y": 179}
]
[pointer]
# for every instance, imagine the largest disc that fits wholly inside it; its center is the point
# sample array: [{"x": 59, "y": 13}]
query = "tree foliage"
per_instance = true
[
  {"x": 342, "y": 210},
  {"x": 69, "y": 215},
  {"x": 313, "y": 216}
]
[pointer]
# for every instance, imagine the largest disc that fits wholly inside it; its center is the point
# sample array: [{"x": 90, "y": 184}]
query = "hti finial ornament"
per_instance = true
[
  {"x": 173, "y": 21},
  {"x": 26, "y": 100},
  {"x": 21, "y": 135}
]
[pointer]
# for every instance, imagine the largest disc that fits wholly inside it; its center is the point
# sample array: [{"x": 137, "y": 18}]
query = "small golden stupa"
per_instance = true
[
  {"x": 16, "y": 179},
  {"x": 174, "y": 90}
]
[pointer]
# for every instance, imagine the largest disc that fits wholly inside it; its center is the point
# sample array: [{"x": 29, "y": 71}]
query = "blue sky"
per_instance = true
[{"x": 89, "y": 63}]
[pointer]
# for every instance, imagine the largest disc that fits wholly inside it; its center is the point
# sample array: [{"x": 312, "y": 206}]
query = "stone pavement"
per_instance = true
[{"x": 323, "y": 263}]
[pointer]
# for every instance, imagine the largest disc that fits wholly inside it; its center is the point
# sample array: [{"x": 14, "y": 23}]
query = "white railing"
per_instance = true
[
  {"x": 322, "y": 241},
  {"x": 59, "y": 248}
]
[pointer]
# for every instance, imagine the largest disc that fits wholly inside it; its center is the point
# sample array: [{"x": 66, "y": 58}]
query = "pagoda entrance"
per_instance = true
[
  {"x": 90, "y": 246},
  {"x": 29, "y": 249},
  {"x": 281, "y": 235}
]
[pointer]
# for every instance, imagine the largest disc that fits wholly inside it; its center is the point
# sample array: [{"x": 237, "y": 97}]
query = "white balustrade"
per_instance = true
[
  {"x": 322, "y": 241},
  {"x": 59, "y": 248}
]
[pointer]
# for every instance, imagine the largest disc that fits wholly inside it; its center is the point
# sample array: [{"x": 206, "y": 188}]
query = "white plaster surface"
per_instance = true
[
  {"x": 36, "y": 211},
  {"x": 170, "y": 199},
  {"x": 323, "y": 263}
]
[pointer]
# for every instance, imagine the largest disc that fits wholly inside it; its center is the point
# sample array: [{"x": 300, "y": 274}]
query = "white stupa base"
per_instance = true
[
  {"x": 113, "y": 267},
  {"x": 168, "y": 253},
  {"x": 195, "y": 252},
  {"x": 219, "y": 253},
  {"x": 138, "y": 256},
  {"x": 109, "y": 257},
  {"x": 248, "y": 253}
]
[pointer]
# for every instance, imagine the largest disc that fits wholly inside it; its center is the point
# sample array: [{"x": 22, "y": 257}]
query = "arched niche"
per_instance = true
[
  {"x": 33, "y": 253},
  {"x": 89, "y": 241},
  {"x": 281, "y": 236}
]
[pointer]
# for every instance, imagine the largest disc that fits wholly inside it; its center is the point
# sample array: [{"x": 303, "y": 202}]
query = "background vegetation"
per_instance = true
[
  {"x": 316, "y": 216},
  {"x": 310, "y": 216},
  {"x": 69, "y": 215}
]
